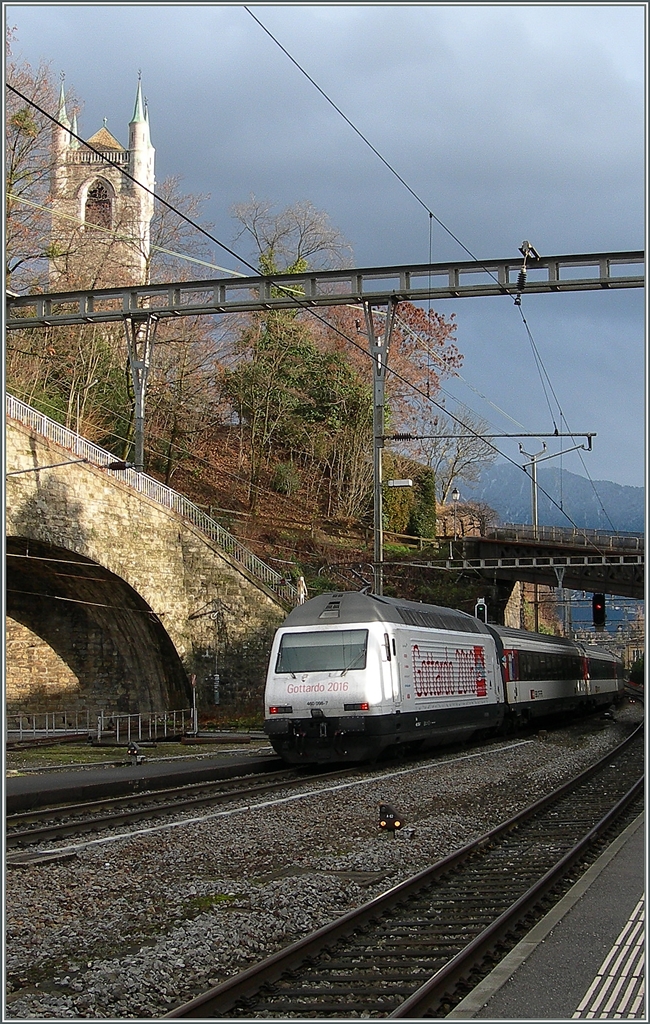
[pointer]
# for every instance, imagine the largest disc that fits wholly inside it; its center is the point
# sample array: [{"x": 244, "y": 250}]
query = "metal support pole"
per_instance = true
[
  {"x": 379, "y": 348},
  {"x": 533, "y": 477},
  {"x": 140, "y": 335},
  {"x": 559, "y": 572}
]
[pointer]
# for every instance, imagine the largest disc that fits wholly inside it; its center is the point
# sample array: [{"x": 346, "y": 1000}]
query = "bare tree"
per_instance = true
[
  {"x": 28, "y": 161},
  {"x": 297, "y": 237},
  {"x": 455, "y": 451}
]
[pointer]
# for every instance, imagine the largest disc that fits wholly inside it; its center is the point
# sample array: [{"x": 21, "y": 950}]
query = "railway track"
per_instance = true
[
  {"x": 41, "y": 825},
  {"x": 30, "y": 828},
  {"x": 417, "y": 949}
]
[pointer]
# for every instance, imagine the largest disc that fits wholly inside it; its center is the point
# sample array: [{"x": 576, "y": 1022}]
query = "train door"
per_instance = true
[
  {"x": 390, "y": 648},
  {"x": 511, "y": 672}
]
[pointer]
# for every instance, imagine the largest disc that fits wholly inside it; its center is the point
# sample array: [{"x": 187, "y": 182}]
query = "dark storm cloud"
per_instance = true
[{"x": 509, "y": 121}]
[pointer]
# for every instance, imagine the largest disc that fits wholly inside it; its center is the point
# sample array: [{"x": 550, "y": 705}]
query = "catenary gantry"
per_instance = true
[{"x": 377, "y": 285}]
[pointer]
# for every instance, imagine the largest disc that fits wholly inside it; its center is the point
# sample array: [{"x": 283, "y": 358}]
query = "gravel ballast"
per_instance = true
[{"x": 132, "y": 927}]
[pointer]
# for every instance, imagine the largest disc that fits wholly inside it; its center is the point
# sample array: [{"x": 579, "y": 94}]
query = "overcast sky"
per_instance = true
[{"x": 510, "y": 121}]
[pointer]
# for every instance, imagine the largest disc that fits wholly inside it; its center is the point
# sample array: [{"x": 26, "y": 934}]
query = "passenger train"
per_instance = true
[{"x": 353, "y": 674}]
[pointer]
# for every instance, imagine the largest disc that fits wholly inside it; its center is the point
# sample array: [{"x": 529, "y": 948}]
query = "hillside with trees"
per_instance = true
[{"x": 264, "y": 418}]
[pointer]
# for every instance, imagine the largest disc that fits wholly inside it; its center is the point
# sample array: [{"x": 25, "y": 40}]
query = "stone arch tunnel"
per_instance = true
[
  {"x": 98, "y": 626},
  {"x": 114, "y": 601}
]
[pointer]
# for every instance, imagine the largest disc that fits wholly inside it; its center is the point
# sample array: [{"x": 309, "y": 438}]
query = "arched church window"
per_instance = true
[{"x": 98, "y": 206}]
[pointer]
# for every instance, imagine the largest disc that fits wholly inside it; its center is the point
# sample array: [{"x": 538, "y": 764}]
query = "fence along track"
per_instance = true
[
  {"x": 379, "y": 961},
  {"x": 155, "y": 491}
]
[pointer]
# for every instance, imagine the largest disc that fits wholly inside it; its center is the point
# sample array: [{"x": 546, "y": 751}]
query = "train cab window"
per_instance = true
[{"x": 343, "y": 650}]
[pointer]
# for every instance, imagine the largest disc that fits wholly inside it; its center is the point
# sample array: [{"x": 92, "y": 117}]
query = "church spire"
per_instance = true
[
  {"x": 139, "y": 113},
  {"x": 61, "y": 115},
  {"x": 74, "y": 143}
]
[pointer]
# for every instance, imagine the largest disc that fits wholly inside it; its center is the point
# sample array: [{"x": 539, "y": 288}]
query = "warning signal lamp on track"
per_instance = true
[
  {"x": 133, "y": 750},
  {"x": 598, "y": 610},
  {"x": 389, "y": 819},
  {"x": 480, "y": 609}
]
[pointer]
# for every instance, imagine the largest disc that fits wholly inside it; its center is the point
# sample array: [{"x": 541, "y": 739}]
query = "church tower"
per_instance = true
[{"x": 101, "y": 218}]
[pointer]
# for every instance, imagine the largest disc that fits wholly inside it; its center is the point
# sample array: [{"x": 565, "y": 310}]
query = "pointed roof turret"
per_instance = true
[
  {"x": 139, "y": 114},
  {"x": 61, "y": 115},
  {"x": 74, "y": 143}
]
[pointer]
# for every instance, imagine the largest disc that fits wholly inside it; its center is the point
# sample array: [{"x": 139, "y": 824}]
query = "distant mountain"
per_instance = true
[{"x": 507, "y": 490}]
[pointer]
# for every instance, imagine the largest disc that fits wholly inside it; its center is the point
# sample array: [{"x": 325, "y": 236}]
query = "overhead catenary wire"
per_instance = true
[
  {"x": 522, "y": 276},
  {"x": 291, "y": 292},
  {"x": 121, "y": 238},
  {"x": 541, "y": 368},
  {"x": 416, "y": 196}
]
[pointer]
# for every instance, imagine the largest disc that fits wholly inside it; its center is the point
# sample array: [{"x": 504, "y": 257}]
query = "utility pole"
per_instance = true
[
  {"x": 379, "y": 348},
  {"x": 534, "y": 459},
  {"x": 533, "y": 477},
  {"x": 140, "y": 335}
]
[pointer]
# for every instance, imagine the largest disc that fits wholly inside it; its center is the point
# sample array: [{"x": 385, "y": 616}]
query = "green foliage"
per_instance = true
[
  {"x": 23, "y": 122},
  {"x": 398, "y": 504},
  {"x": 637, "y": 672},
  {"x": 423, "y": 518},
  {"x": 297, "y": 402},
  {"x": 286, "y": 478},
  {"x": 54, "y": 251}
]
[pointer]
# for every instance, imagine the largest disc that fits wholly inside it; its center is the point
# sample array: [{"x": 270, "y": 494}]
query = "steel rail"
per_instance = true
[
  {"x": 436, "y": 989},
  {"x": 155, "y": 808},
  {"x": 223, "y": 997}
]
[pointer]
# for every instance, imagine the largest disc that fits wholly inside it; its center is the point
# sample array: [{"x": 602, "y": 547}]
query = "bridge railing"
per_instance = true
[
  {"x": 151, "y": 726},
  {"x": 570, "y": 535},
  {"x": 155, "y": 491},
  {"x": 30, "y": 724}
]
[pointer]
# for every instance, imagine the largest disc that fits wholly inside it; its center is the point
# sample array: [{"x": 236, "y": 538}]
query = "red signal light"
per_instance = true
[{"x": 598, "y": 609}]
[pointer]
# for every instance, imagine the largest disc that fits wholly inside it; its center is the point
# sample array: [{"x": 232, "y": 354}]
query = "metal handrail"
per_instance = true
[
  {"x": 569, "y": 535},
  {"x": 155, "y": 491}
]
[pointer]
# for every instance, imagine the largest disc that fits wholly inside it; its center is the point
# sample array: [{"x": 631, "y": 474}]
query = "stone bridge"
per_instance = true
[{"x": 119, "y": 590}]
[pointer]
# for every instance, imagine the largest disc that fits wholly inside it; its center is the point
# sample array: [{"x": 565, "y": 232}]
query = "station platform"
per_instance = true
[
  {"x": 585, "y": 958},
  {"x": 46, "y": 789}
]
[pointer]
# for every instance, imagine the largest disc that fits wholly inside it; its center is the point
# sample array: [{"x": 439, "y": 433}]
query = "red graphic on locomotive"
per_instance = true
[{"x": 459, "y": 676}]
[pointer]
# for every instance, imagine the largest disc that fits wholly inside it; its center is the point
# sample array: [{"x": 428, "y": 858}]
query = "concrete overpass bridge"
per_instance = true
[{"x": 119, "y": 590}]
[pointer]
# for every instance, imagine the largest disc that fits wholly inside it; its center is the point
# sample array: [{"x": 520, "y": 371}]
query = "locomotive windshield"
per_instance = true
[{"x": 336, "y": 651}]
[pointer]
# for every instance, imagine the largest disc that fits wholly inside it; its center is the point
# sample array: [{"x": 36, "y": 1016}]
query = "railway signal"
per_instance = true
[
  {"x": 599, "y": 613},
  {"x": 389, "y": 820},
  {"x": 480, "y": 609},
  {"x": 133, "y": 750}
]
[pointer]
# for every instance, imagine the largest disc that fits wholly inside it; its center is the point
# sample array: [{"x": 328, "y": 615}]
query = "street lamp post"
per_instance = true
[{"x": 455, "y": 497}]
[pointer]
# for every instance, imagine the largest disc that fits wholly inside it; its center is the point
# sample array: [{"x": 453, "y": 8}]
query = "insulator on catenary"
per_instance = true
[{"x": 521, "y": 281}]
